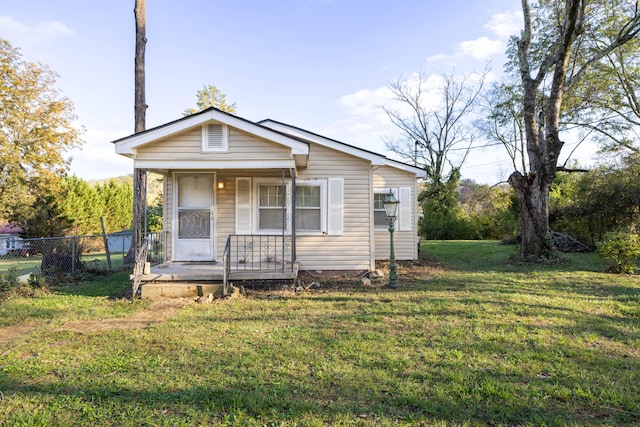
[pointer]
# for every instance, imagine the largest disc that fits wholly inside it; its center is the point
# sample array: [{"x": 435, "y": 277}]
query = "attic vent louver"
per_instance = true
[{"x": 215, "y": 138}]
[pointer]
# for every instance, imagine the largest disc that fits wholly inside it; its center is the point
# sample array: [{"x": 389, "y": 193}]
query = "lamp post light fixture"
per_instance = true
[{"x": 391, "y": 210}]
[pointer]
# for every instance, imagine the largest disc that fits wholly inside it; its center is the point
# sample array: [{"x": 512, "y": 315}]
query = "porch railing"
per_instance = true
[
  {"x": 226, "y": 257},
  {"x": 260, "y": 252}
]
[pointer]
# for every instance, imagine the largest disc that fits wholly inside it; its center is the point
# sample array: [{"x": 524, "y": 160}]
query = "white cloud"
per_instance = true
[
  {"x": 366, "y": 102},
  {"x": 505, "y": 24},
  {"x": 481, "y": 48},
  {"x": 97, "y": 158},
  {"x": 21, "y": 34}
]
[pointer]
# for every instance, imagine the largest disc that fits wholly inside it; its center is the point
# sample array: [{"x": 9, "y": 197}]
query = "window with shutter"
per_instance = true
[{"x": 215, "y": 137}]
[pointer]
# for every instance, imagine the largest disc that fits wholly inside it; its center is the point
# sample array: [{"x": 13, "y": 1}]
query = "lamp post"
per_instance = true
[{"x": 391, "y": 210}]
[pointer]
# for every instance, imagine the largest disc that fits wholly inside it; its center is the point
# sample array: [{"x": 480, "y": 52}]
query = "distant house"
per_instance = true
[
  {"x": 119, "y": 242},
  {"x": 268, "y": 192},
  {"x": 10, "y": 241}
]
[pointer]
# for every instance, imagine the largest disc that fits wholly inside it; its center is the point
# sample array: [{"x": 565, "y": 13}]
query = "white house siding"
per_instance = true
[
  {"x": 188, "y": 146},
  {"x": 352, "y": 249},
  {"x": 405, "y": 242}
]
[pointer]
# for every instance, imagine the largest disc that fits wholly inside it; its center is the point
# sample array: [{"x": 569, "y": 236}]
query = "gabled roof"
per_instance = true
[
  {"x": 126, "y": 145},
  {"x": 375, "y": 158},
  {"x": 297, "y": 139}
]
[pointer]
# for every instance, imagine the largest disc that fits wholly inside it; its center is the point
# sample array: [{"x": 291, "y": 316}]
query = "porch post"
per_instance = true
[
  {"x": 284, "y": 215},
  {"x": 292, "y": 172},
  {"x": 139, "y": 208}
]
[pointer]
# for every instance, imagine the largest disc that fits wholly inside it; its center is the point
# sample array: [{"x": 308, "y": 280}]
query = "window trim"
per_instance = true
[
  {"x": 379, "y": 191},
  {"x": 257, "y": 183},
  {"x": 324, "y": 205},
  {"x": 322, "y": 183}
]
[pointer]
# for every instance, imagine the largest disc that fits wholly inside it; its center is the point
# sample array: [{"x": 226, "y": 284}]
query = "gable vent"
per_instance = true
[{"x": 215, "y": 138}]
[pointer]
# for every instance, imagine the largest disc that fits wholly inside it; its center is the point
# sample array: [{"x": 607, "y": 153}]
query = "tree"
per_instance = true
[
  {"x": 81, "y": 203},
  {"x": 117, "y": 199},
  {"x": 37, "y": 128},
  {"x": 140, "y": 107},
  {"x": 211, "y": 96},
  {"x": 557, "y": 48},
  {"x": 436, "y": 135},
  {"x": 606, "y": 199}
]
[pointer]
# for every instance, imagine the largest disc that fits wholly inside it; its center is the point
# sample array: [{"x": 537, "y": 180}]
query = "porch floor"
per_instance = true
[{"x": 214, "y": 272}]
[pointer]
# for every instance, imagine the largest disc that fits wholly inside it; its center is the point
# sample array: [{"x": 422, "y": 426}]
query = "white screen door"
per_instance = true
[{"x": 194, "y": 227}]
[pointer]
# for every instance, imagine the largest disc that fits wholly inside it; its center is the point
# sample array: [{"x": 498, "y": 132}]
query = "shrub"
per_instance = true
[{"x": 619, "y": 250}]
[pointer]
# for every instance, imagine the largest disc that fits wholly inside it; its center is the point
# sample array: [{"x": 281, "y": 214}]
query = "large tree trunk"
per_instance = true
[
  {"x": 140, "y": 107},
  {"x": 533, "y": 198}
]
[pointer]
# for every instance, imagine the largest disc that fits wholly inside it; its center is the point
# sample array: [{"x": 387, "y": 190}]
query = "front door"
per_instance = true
[{"x": 194, "y": 211}]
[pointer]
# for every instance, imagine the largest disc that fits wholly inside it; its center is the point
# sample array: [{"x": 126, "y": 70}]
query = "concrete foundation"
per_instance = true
[{"x": 179, "y": 290}]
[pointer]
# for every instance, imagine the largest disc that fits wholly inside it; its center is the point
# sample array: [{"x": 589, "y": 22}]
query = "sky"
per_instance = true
[{"x": 321, "y": 65}]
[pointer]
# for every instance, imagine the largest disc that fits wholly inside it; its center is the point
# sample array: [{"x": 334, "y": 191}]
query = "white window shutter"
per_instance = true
[
  {"x": 336, "y": 206},
  {"x": 405, "y": 209},
  {"x": 215, "y": 138},
  {"x": 243, "y": 205}
]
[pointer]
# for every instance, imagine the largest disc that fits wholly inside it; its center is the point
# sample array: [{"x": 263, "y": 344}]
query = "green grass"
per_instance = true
[
  {"x": 33, "y": 264},
  {"x": 470, "y": 338}
]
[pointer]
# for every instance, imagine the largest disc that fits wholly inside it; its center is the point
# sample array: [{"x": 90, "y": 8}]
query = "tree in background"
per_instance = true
[
  {"x": 80, "y": 202},
  {"x": 46, "y": 219},
  {"x": 37, "y": 129},
  {"x": 604, "y": 200},
  {"x": 489, "y": 209},
  {"x": 78, "y": 207},
  {"x": 434, "y": 119},
  {"x": 558, "y": 47},
  {"x": 211, "y": 96},
  {"x": 117, "y": 200}
]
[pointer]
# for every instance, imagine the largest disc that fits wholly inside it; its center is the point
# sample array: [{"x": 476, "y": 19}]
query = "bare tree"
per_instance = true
[{"x": 435, "y": 122}]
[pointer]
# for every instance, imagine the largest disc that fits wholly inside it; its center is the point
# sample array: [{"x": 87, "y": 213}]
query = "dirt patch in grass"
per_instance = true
[
  {"x": 157, "y": 312},
  {"x": 10, "y": 332}
]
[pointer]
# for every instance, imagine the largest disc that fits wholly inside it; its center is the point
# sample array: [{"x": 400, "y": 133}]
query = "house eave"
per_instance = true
[
  {"x": 126, "y": 146},
  {"x": 375, "y": 158}
]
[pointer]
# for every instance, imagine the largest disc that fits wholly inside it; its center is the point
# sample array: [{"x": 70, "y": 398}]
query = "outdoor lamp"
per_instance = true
[{"x": 391, "y": 210}]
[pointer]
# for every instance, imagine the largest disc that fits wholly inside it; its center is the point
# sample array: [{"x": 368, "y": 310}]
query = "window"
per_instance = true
[
  {"x": 270, "y": 199},
  {"x": 215, "y": 137},
  {"x": 308, "y": 208},
  {"x": 379, "y": 214},
  {"x": 318, "y": 204}
]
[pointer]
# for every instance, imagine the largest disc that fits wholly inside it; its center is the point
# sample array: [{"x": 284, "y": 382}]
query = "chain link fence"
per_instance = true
[{"x": 70, "y": 255}]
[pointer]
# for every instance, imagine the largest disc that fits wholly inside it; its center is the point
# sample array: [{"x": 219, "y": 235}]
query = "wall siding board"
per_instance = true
[
  {"x": 405, "y": 242},
  {"x": 188, "y": 146}
]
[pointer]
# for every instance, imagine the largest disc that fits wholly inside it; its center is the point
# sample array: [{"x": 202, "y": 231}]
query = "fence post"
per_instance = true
[
  {"x": 106, "y": 243},
  {"x": 73, "y": 254}
]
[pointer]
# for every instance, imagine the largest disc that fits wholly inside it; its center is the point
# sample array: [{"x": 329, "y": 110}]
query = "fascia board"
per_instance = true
[
  {"x": 375, "y": 159},
  {"x": 214, "y": 164},
  {"x": 127, "y": 145}
]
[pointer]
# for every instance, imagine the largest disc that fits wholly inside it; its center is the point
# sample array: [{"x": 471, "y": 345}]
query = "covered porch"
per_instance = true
[{"x": 247, "y": 259}]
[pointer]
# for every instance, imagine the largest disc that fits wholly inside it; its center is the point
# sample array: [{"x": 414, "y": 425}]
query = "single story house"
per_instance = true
[
  {"x": 267, "y": 193},
  {"x": 10, "y": 241}
]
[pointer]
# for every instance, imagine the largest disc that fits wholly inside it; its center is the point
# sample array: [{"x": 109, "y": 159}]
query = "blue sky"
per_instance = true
[{"x": 321, "y": 65}]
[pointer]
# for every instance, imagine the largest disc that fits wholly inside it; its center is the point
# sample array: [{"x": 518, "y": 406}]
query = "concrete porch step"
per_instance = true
[{"x": 180, "y": 289}]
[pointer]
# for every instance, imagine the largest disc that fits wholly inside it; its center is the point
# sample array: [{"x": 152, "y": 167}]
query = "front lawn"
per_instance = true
[{"x": 470, "y": 338}]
